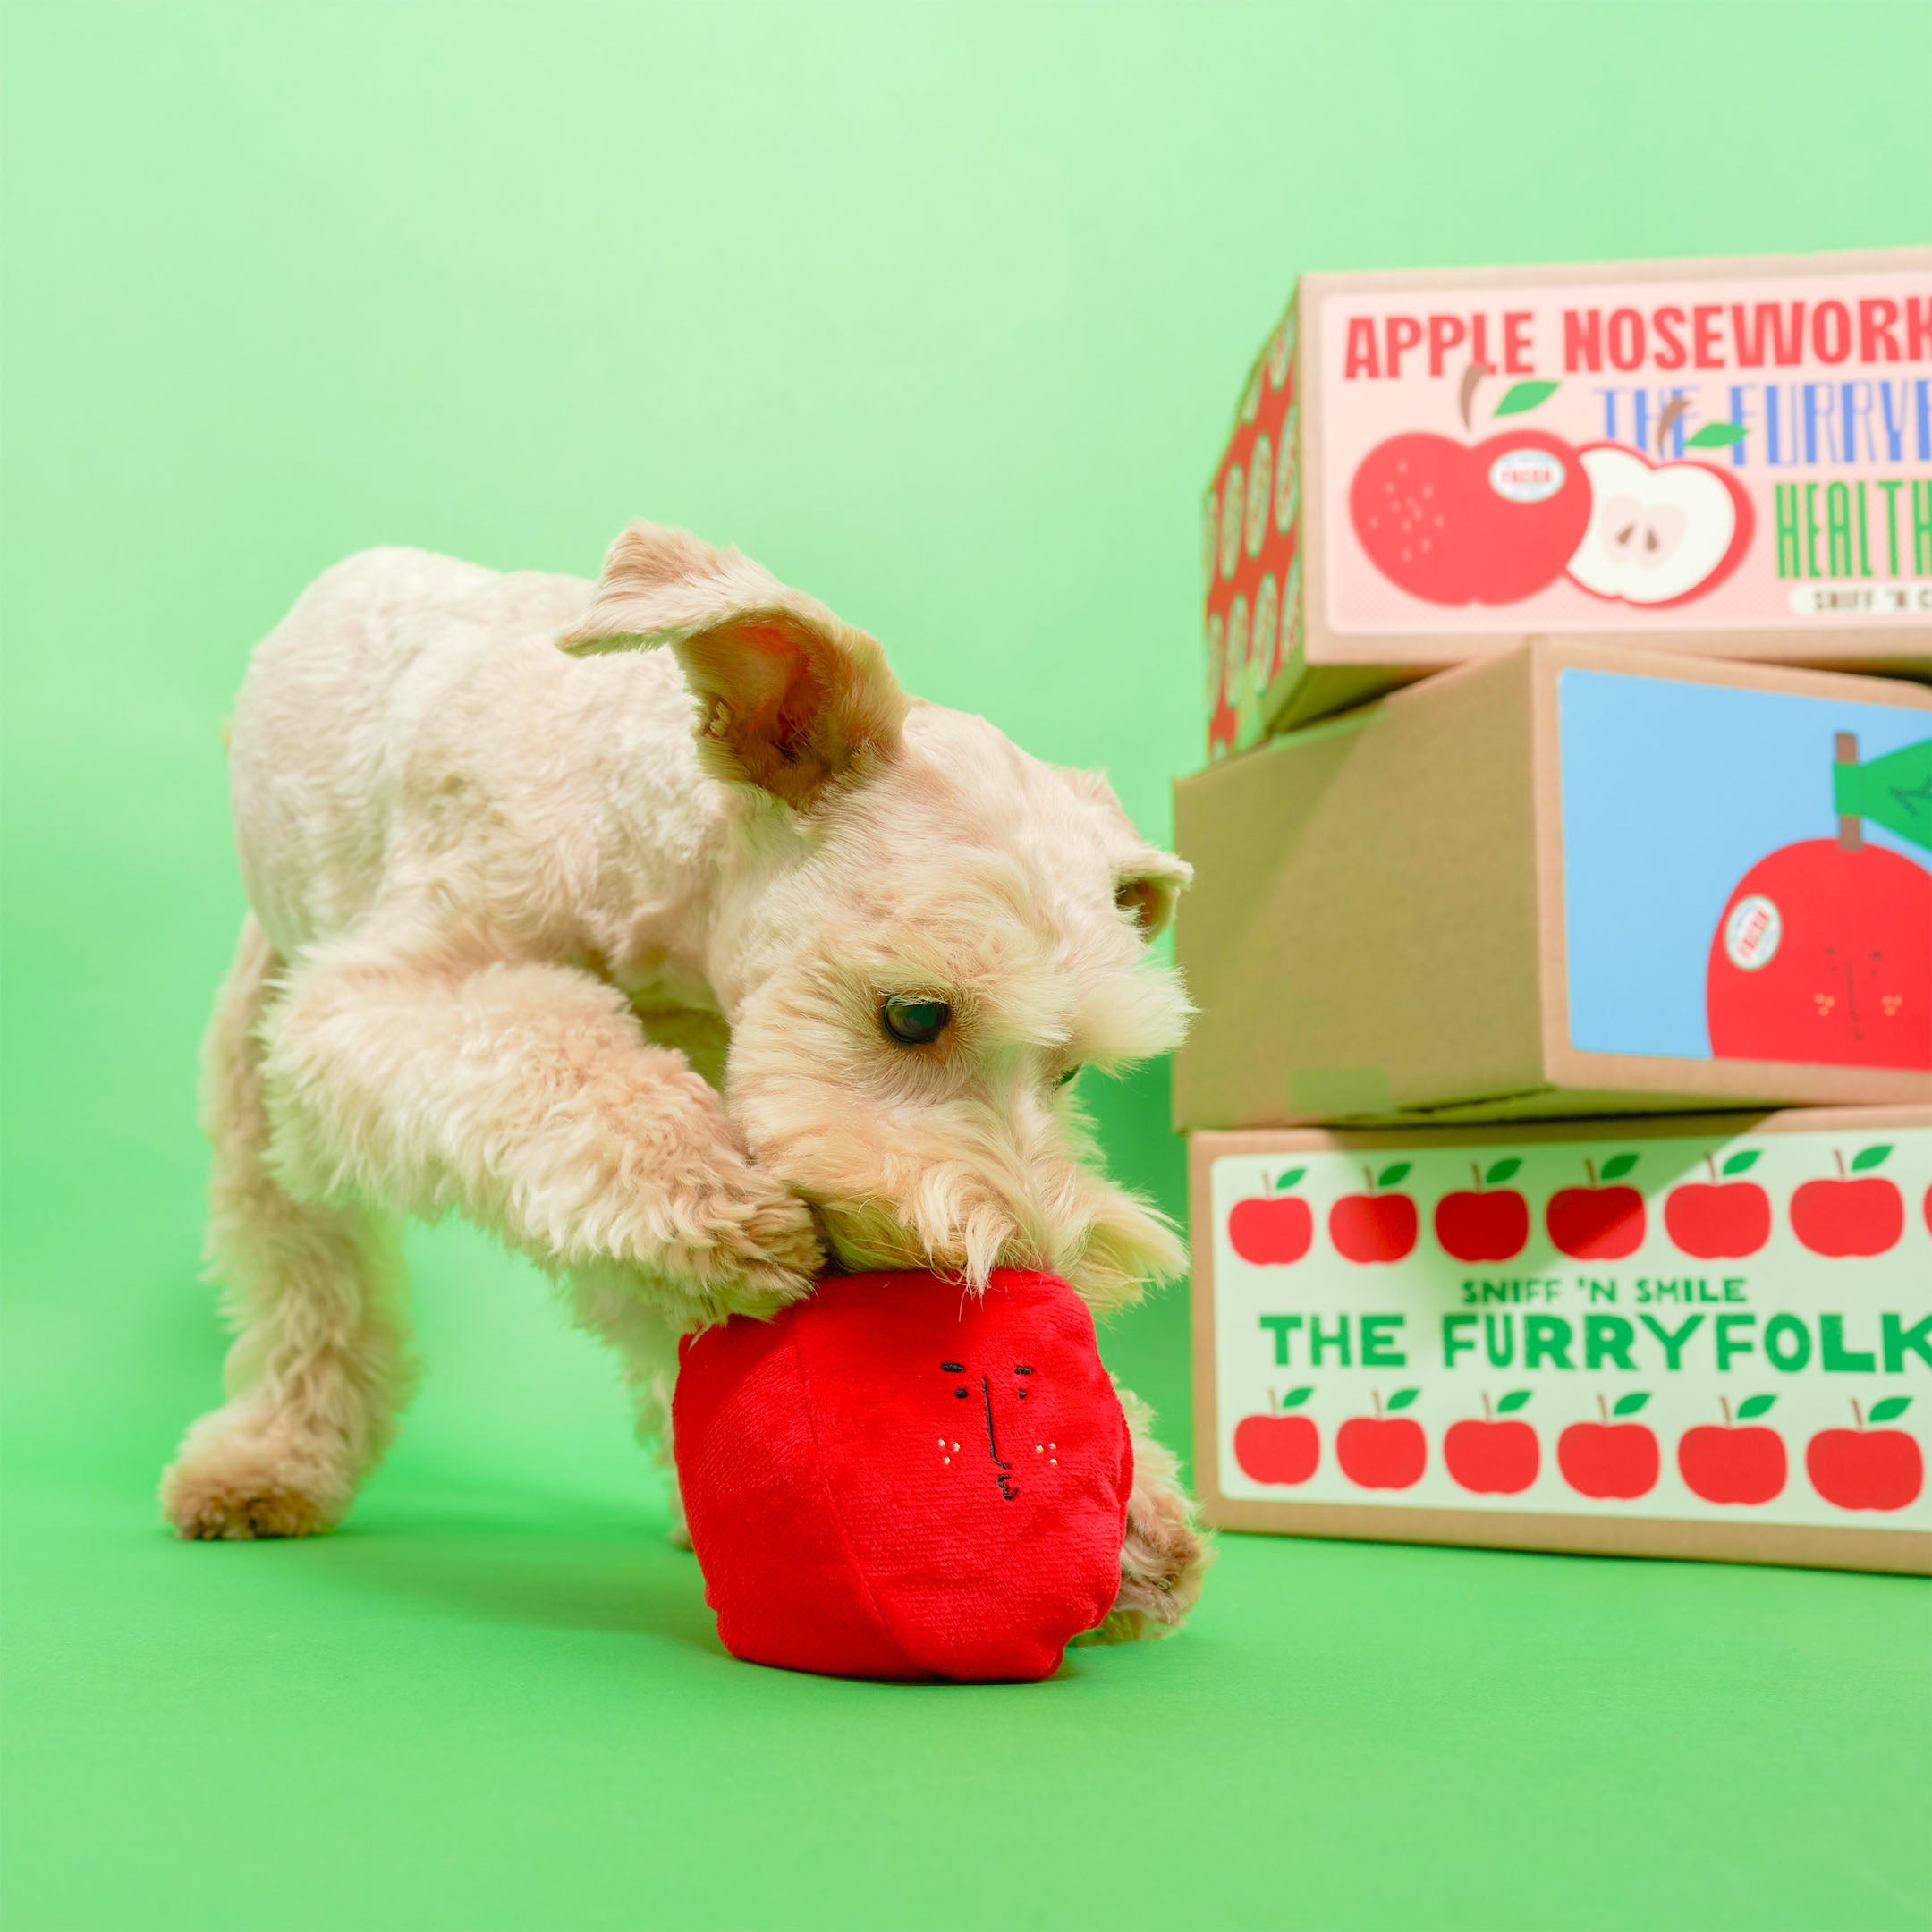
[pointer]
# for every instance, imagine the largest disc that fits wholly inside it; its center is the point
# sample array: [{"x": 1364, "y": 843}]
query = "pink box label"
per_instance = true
[{"x": 1696, "y": 456}]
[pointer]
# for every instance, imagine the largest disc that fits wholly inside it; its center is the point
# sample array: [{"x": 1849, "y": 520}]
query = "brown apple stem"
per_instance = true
[
  {"x": 1375, "y": 1395},
  {"x": 1487, "y": 1407},
  {"x": 1858, "y": 1414},
  {"x": 1710, "y": 1161},
  {"x": 1839, "y": 1158},
  {"x": 1368, "y": 1176},
  {"x": 1603, "y": 1408},
  {"x": 1466, "y": 395},
  {"x": 1667, "y": 421},
  {"x": 1850, "y": 826},
  {"x": 1475, "y": 1169},
  {"x": 1723, "y": 1402},
  {"x": 1590, "y": 1168}
]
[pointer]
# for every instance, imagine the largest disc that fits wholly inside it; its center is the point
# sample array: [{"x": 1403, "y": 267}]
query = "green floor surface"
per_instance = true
[{"x": 482, "y": 1709}]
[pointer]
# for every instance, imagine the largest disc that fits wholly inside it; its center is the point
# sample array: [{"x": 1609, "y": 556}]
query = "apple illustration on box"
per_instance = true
[
  {"x": 1867, "y": 1468},
  {"x": 1278, "y": 1448},
  {"x": 1272, "y": 1228},
  {"x": 1609, "y": 1459},
  {"x": 1493, "y": 1458},
  {"x": 1598, "y": 1224},
  {"x": 1383, "y": 1451},
  {"x": 1731, "y": 1464},
  {"x": 1847, "y": 1216},
  {"x": 1720, "y": 1219},
  {"x": 1483, "y": 1223},
  {"x": 1489, "y": 522},
  {"x": 1660, "y": 533},
  {"x": 1375, "y": 1226},
  {"x": 1823, "y": 953}
]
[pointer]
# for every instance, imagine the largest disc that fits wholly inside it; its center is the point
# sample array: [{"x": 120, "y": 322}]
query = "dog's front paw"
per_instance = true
[
  {"x": 751, "y": 1248},
  {"x": 1165, "y": 1553},
  {"x": 234, "y": 1481}
]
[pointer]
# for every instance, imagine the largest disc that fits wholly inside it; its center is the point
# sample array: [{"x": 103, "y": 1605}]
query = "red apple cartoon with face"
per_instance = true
[
  {"x": 1720, "y": 1219},
  {"x": 1278, "y": 1447},
  {"x": 1868, "y": 1469},
  {"x": 1609, "y": 1459},
  {"x": 1383, "y": 1451},
  {"x": 1273, "y": 1228},
  {"x": 1731, "y": 1464},
  {"x": 1457, "y": 523},
  {"x": 1375, "y": 1226},
  {"x": 1493, "y": 1458},
  {"x": 1847, "y": 1216},
  {"x": 1483, "y": 1223},
  {"x": 1824, "y": 954},
  {"x": 1659, "y": 533},
  {"x": 1595, "y": 1223}
]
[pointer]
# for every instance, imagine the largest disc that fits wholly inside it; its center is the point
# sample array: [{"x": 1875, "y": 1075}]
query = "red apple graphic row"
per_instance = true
[
  {"x": 1495, "y": 521},
  {"x": 1855, "y": 1468},
  {"x": 1721, "y": 1218}
]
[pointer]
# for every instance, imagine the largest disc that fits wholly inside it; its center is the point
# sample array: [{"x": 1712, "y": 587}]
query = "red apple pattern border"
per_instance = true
[
  {"x": 1740, "y": 1462},
  {"x": 1855, "y": 1212}
]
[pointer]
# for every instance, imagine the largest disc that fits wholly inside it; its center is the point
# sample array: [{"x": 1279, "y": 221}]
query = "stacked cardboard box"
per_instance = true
[{"x": 1562, "y": 929}]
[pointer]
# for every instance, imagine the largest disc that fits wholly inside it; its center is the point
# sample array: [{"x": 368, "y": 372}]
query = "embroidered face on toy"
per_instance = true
[
  {"x": 931, "y": 934},
  {"x": 894, "y": 1477}
]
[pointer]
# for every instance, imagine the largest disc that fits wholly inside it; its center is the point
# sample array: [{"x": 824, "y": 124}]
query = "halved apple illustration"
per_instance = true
[{"x": 1659, "y": 533}]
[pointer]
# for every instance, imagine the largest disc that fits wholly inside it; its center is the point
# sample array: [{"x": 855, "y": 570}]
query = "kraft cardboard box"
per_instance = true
[
  {"x": 1731, "y": 457},
  {"x": 1568, "y": 880},
  {"x": 1703, "y": 1337}
]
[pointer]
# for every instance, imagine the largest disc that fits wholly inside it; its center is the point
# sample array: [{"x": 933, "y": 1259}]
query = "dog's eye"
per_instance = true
[{"x": 911, "y": 1020}]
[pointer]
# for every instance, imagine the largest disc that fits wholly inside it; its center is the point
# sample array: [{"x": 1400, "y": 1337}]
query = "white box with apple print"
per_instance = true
[{"x": 1707, "y": 1337}]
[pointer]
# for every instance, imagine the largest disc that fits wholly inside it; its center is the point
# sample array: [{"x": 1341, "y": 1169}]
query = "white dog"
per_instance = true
[{"x": 676, "y": 1012}]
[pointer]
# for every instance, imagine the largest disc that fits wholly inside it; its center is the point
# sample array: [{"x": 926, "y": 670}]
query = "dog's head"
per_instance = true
[{"x": 925, "y": 934}]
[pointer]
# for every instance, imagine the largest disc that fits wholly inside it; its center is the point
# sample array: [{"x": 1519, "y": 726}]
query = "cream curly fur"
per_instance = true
[{"x": 589, "y": 944}]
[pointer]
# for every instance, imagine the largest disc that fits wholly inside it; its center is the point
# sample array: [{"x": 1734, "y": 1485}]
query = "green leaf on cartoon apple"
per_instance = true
[
  {"x": 1389, "y": 1176},
  {"x": 1501, "y": 1171},
  {"x": 1890, "y": 1410},
  {"x": 1295, "y": 1397},
  {"x": 1512, "y": 1401},
  {"x": 1741, "y": 1163},
  {"x": 1754, "y": 1405},
  {"x": 1868, "y": 1158},
  {"x": 1715, "y": 435},
  {"x": 1631, "y": 1404},
  {"x": 1524, "y": 395},
  {"x": 1618, "y": 1163},
  {"x": 1402, "y": 1397},
  {"x": 1289, "y": 1179}
]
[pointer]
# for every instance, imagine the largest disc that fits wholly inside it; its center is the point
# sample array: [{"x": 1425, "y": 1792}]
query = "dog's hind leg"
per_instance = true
[
  {"x": 319, "y": 1370},
  {"x": 615, "y": 1304}
]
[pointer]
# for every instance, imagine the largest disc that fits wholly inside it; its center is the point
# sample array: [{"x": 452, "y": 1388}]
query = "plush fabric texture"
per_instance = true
[{"x": 896, "y": 1477}]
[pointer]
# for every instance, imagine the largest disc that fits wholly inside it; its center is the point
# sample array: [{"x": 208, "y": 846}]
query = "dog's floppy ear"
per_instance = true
[
  {"x": 1149, "y": 890},
  {"x": 788, "y": 698}
]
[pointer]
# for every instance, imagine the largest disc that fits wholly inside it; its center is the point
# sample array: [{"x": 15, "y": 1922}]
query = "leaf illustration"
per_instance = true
[
  {"x": 1524, "y": 395},
  {"x": 1618, "y": 1163},
  {"x": 1631, "y": 1404},
  {"x": 1402, "y": 1397},
  {"x": 1890, "y": 1409},
  {"x": 1868, "y": 1158},
  {"x": 1715, "y": 435},
  {"x": 1502, "y": 1170},
  {"x": 1512, "y": 1401},
  {"x": 1289, "y": 1179},
  {"x": 1739, "y": 1163},
  {"x": 1753, "y": 1405},
  {"x": 1295, "y": 1397},
  {"x": 1389, "y": 1176}
]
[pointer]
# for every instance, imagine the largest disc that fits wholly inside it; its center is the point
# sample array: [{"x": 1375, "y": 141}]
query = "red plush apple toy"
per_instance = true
[{"x": 897, "y": 1478}]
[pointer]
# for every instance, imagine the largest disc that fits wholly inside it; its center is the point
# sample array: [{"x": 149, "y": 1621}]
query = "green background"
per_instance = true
[{"x": 940, "y": 312}]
